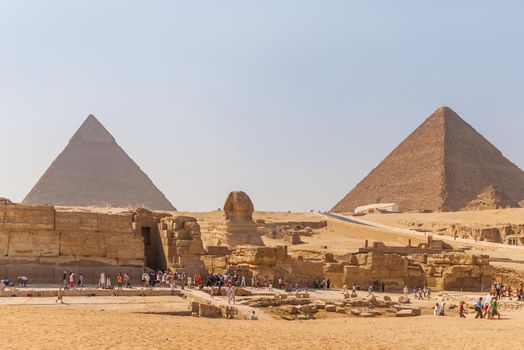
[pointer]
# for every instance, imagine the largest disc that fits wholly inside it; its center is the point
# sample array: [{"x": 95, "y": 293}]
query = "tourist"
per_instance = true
[
  {"x": 494, "y": 309},
  {"x": 22, "y": 281},
  {"x": 370, "y": 290},
  {"x": 64, "y": 279},
  {"x": 442, "y": 309},
  {"x": 254, "y": 316},
  {"x": 420, "y": 294},
  {"x": 102, "y": 280},
  {"x": 405, "y": 290},
  {"x": 253, "y": 282},
  {"x": 344, "y": 289},
  {"x": 383, "y": 287},
  {"x": 127, "y": 280},
  {"x": 59, "y": 296},
  {"x": 436, "y": 310},
  {"x": 415, "y": 293},
  {"x": 328, "y": 283},
  {"x": 478, "y": 308},
  {"x": 80, "y": 280},
  {"x": 72, "y": 280},
  {"x": 243, "y": 281},
  {"x": 429, "y": 293},
  {"x": 119, "y": 280},
  {"x": 108, "y": 282},
  {"x": 270, "y": 286},
  {"x": 462, "y": 310}
]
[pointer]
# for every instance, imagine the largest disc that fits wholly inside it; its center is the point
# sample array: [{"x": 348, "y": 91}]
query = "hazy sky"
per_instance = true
[{"x": 291, "y": 101}]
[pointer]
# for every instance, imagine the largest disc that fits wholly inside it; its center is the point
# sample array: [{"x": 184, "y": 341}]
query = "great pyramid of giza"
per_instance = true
[
  {"x": 93, "y": 170},
  {"x": 442, "y": 166}
]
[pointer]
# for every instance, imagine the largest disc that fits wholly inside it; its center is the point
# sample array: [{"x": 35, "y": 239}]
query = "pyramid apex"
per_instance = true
[{"x": 92, "y": 130}]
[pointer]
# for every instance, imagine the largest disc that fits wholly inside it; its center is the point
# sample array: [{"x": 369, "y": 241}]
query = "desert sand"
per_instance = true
[{"x": 131, "y": 323}]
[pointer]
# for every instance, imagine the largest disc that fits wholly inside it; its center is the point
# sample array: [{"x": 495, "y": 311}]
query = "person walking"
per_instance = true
[
  {"x": 462, "y": 310},
  {"x": 478, "y": 308},
  {"x": 80, "y": 280},
  {"x": 72, "y": 280}
]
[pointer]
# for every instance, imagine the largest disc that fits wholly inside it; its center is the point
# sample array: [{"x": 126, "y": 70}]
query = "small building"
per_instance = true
[{"x": 377, "y": 208}]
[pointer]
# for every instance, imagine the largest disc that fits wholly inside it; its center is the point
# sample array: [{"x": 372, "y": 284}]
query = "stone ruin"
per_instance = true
[
  {"x": 432, "y": 246},
  {"x": 512, "y": 234},
  {"x": 41, "y": 241},
  {"x": 290, "y": 232}
]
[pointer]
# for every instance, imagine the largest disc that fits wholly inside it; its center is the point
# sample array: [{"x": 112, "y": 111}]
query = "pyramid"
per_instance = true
[
  {"x": 442, "y": 166},
  {"x": 491, "y": 198},
  {"x": 93, "y": 170}
]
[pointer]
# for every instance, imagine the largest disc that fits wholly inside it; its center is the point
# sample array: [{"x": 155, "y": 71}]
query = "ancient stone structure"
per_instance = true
[
  {"x": 491, "y": 198},
  {"x": 239, "y": 227},
  {"x": 432, "y": 246},
  {"x": 459, "y": 272},
  {"x": 449, "y": 270},
  {"x": 182, "y": 245},
  {"x": 442, "y": 166},
  {"x": 506, "y": 233},
  {"x": 93, "y": 170},
  {"x": 40, "y": 242}
]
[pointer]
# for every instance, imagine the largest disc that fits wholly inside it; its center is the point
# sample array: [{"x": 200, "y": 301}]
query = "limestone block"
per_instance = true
[
  {"x": 330, "y": 308},
  {"x": 124, "y": 246},
  {"x": 254, "y": 256},
  {"x": 33, "y": 243},
  {"x": 4, "y": 242},
  {"x": 115, "y": 223},
  {"x": 76, "y": 243},
  {"x": 403, "y": 299},
  {"x": 182, "y": 234},
  {"x": 192, "y": 226},
  {"x": 75, "y": 221},
  {"x": 217, "y": 250},
  {"x": 29, "y": 217},
  {"x": 408, "y": 313},
  {"x": 208, "y": 310}
]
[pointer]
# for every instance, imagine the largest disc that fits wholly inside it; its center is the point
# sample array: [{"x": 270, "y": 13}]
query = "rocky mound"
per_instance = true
[{"x": 491, "y": 198}]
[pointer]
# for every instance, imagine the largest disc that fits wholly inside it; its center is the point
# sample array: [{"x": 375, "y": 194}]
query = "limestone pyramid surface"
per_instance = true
[
  {"x": 94, "y": 170},
  {"x": 442, "y": 166},
  {"x": 491, "y": 198}
]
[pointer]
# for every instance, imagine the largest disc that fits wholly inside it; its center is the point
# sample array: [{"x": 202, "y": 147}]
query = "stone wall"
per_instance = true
[{"x": 42, "y": 242}]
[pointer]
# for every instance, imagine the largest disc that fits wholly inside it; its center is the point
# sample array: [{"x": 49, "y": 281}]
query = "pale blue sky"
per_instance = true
[{"x": 292, "y": 101}]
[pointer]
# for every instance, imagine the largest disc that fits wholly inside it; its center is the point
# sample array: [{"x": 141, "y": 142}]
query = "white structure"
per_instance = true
[{"x": 379, "y": 207}]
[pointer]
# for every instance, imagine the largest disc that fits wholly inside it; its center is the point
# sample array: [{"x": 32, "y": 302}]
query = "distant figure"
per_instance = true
[
  {"x": 442, "y": 309},
  {"x": 370, "y": 290},
  {"x": 119, "y": 280},
  {"x": 102, "y": 281},
  {"x": 406, "y": 290},
  {"x": 127, "y": 280},
  {"x": 478, "y": 308},
  {"x": 60, "y": 296},
  {"x": 436, "y": 310},
  {"x": 80, "y": 280},
  {"x": 254, "y": 316},
  {"x": 22, "y": 281},
  {"x": 64, "y": 279},
  {"x": 72, "y": 280},
  {"x": 462, "y": 310}
]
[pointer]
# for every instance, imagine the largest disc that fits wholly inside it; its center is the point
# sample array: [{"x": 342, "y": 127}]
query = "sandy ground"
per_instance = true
[{"x": 131, "y": 323}]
